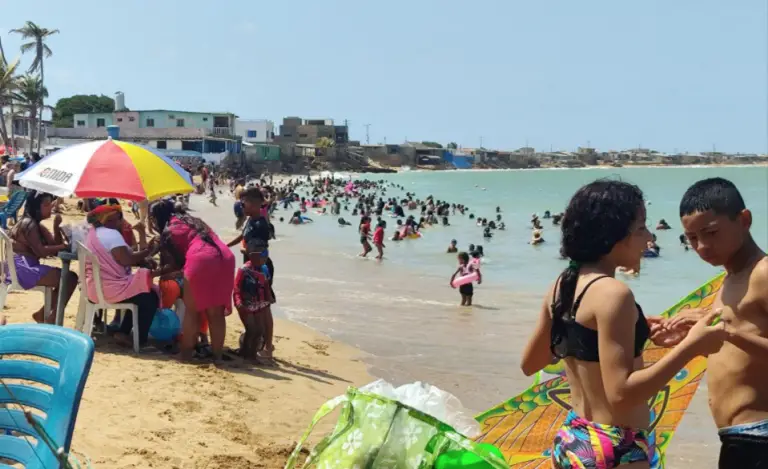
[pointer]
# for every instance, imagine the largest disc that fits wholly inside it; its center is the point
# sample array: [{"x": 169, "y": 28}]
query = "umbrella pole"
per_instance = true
[{"x": 66, "y": 260}]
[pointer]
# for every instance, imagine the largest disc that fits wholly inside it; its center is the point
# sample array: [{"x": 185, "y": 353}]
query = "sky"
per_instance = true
[{"x": 683, "y": 75}]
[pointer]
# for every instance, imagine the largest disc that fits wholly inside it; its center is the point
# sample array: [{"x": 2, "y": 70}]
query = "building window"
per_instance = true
[
  {"x": 81, "y": 123},
  {"x": 303, "y": 135},
  {"x": 205, "y": 119},
  {"x": 131, "y": 119},
  {"x": 150, "y": 122},
  {"x": 179, "y": 122},
  {"x": 252, "y": 133},
  {"x": 162, "y": 145},
  {"x": 100, "y": 123},
  {"x": 119, "y": 119}
]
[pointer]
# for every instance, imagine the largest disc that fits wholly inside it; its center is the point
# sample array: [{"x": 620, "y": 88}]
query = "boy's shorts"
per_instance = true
[
  {"x": 467, "y": 289},
  {"x": 239, "y": 209},
  {"x": 744, "y": 446}
]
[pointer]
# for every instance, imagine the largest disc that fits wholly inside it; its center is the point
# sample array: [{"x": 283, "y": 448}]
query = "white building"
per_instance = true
[{"x": 255, "y": 130}]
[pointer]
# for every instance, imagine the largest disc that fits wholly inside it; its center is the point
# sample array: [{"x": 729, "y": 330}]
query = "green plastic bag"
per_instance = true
[{"x": 374, "y": 432}]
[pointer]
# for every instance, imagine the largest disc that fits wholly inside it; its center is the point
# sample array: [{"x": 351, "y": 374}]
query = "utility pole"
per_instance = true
[
  {"x": 367, "y": 134},
  {"x": 481, "y": 141}
]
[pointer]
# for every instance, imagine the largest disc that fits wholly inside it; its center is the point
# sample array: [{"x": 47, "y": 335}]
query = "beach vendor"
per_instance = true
[
  {"x": 118, "y": 282},
  {"x": 591, "y": 321},
  {"x": 32, "y": 242},
  {"x": 209, "y": 274}
]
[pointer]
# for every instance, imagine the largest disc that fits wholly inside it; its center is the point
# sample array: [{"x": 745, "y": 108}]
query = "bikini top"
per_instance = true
[{"x": 580, "y": 342}]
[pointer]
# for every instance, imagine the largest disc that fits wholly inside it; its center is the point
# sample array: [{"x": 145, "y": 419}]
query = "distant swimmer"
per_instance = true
[
  {"x": 452, "y": 247},
  {"x": 536, "y": 238},
  {"x": 343, "y": 222},
  {"x": 663, "y": 225}
]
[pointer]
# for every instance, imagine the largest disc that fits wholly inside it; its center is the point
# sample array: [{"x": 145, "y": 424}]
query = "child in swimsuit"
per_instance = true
[
  {"x": 465, "y": 268},
  {"x": 378, "y": 239},
  {"x": 604, "y": 227},
  {"x": 717, "y": 224},
  {"x": 452, "y": 247},
  {"x": 252, "y": 297},
  {"x": 365, "y": 233}
]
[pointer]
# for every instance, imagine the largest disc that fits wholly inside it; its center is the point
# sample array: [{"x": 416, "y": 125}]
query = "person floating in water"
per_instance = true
[
  {"x": 452, "y": 247},
  {"x": 536, "y": 238},
  {"x": 343, "y": 222},
  {"x": 465, "y": 268},
  {"x": 663, "y": 225},
  {"x": 591, "y": 321},
  {"x": 684, "y": 242},
  {"x": 487, "y": 233}
]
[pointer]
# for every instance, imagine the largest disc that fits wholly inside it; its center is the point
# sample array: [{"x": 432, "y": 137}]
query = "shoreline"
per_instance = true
[{"x": 400, "y": 170}]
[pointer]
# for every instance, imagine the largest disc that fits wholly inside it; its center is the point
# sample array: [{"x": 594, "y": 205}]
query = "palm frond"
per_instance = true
[{"x": 28, "y": 47}]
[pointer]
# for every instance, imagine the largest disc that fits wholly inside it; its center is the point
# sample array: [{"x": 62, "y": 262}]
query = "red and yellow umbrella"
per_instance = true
[{"x": 107, "y": 168}]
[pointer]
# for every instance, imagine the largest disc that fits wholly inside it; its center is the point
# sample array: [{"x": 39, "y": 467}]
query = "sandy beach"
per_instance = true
[{"x": 150, "y": 410}]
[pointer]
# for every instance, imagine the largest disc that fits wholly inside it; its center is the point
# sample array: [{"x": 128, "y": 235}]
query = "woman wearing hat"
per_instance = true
[{"x": 119, "y": 283}]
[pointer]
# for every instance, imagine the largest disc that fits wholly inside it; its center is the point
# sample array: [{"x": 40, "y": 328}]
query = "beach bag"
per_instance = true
[
  {"x": 166, "y": 325},
  {"x": 375, "y": 432}
]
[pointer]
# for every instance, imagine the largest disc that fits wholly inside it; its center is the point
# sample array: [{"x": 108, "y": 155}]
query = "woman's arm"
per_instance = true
[
  {"x": 127, "y": 258},
  {"x": 41, "y": 248},
  {"x": 537, "y": 353},
  {"x": 626, "y": 387}
]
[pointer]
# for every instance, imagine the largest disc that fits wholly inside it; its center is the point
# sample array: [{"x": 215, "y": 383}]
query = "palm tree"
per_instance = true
[
  {"x": 38, "y": 36},
  {"x": 30, "y": 96},
  {"x": 8, "y": 85},
  {"x": 8, "y": 81}
]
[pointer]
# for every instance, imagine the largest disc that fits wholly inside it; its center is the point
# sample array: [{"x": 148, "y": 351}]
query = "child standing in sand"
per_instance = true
[
  {"x": 465, "y": 268},
  {"x": 252, "y": 297},
  {"x": 378, "y": 239}
]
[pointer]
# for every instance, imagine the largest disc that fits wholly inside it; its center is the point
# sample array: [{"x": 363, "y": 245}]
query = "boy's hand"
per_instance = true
[
  {"x": 685, "y": 319},
  {"x": 57, "y": 220},
  {"x": 705, "y": 339}
]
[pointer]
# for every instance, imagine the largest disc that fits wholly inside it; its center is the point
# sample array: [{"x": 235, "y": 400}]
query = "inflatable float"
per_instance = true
[
  {"x": 524, "y": 426},
  {"x": 465, "y": 279}
]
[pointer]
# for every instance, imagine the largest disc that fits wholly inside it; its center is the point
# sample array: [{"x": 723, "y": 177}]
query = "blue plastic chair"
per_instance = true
[
  {"x": 11, "y": 209},
  {"x": 73, "y": 352}
]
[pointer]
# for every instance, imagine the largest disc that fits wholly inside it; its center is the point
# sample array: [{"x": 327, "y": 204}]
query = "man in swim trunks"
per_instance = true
[{"x": 717, "y": 224}]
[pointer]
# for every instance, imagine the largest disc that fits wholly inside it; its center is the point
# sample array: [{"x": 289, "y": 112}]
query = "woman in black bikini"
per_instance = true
[{"x": 591, "y": 321}]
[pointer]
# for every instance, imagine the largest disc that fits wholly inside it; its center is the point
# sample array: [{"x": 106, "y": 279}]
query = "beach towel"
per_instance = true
[
  {"x": 116, "y": 284},
  {"x": 377, "y": 432}
]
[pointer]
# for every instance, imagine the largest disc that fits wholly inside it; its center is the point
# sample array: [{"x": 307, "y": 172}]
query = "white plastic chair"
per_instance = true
[
  {"x": 87, "y": 309},
  {"x": 7, "y": 262}
]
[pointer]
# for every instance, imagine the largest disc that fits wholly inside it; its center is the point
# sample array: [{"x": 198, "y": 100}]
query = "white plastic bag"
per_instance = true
[
  {"x": 434, "y": 401},
  {"x": 76, "y": 233}
]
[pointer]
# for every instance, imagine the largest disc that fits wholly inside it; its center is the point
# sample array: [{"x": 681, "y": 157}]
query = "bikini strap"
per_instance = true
[{"x": 577, "y": 303}]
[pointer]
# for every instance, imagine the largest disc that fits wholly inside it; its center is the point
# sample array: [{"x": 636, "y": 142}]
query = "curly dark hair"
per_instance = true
[{"x": 599, "y": 215}]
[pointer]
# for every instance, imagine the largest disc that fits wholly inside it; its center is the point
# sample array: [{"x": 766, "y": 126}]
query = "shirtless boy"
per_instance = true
[{"x": 717, "y": 224}]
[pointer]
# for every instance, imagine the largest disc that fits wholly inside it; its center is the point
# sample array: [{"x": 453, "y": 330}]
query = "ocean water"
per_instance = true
[{"x": 403, "y": 314}]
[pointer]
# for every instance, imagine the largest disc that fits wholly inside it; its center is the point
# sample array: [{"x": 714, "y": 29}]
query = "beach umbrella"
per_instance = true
[{"x": 107, "y": 168}]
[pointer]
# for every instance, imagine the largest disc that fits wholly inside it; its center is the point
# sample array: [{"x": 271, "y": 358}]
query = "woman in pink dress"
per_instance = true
[{"x": 209, "y": 274}]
